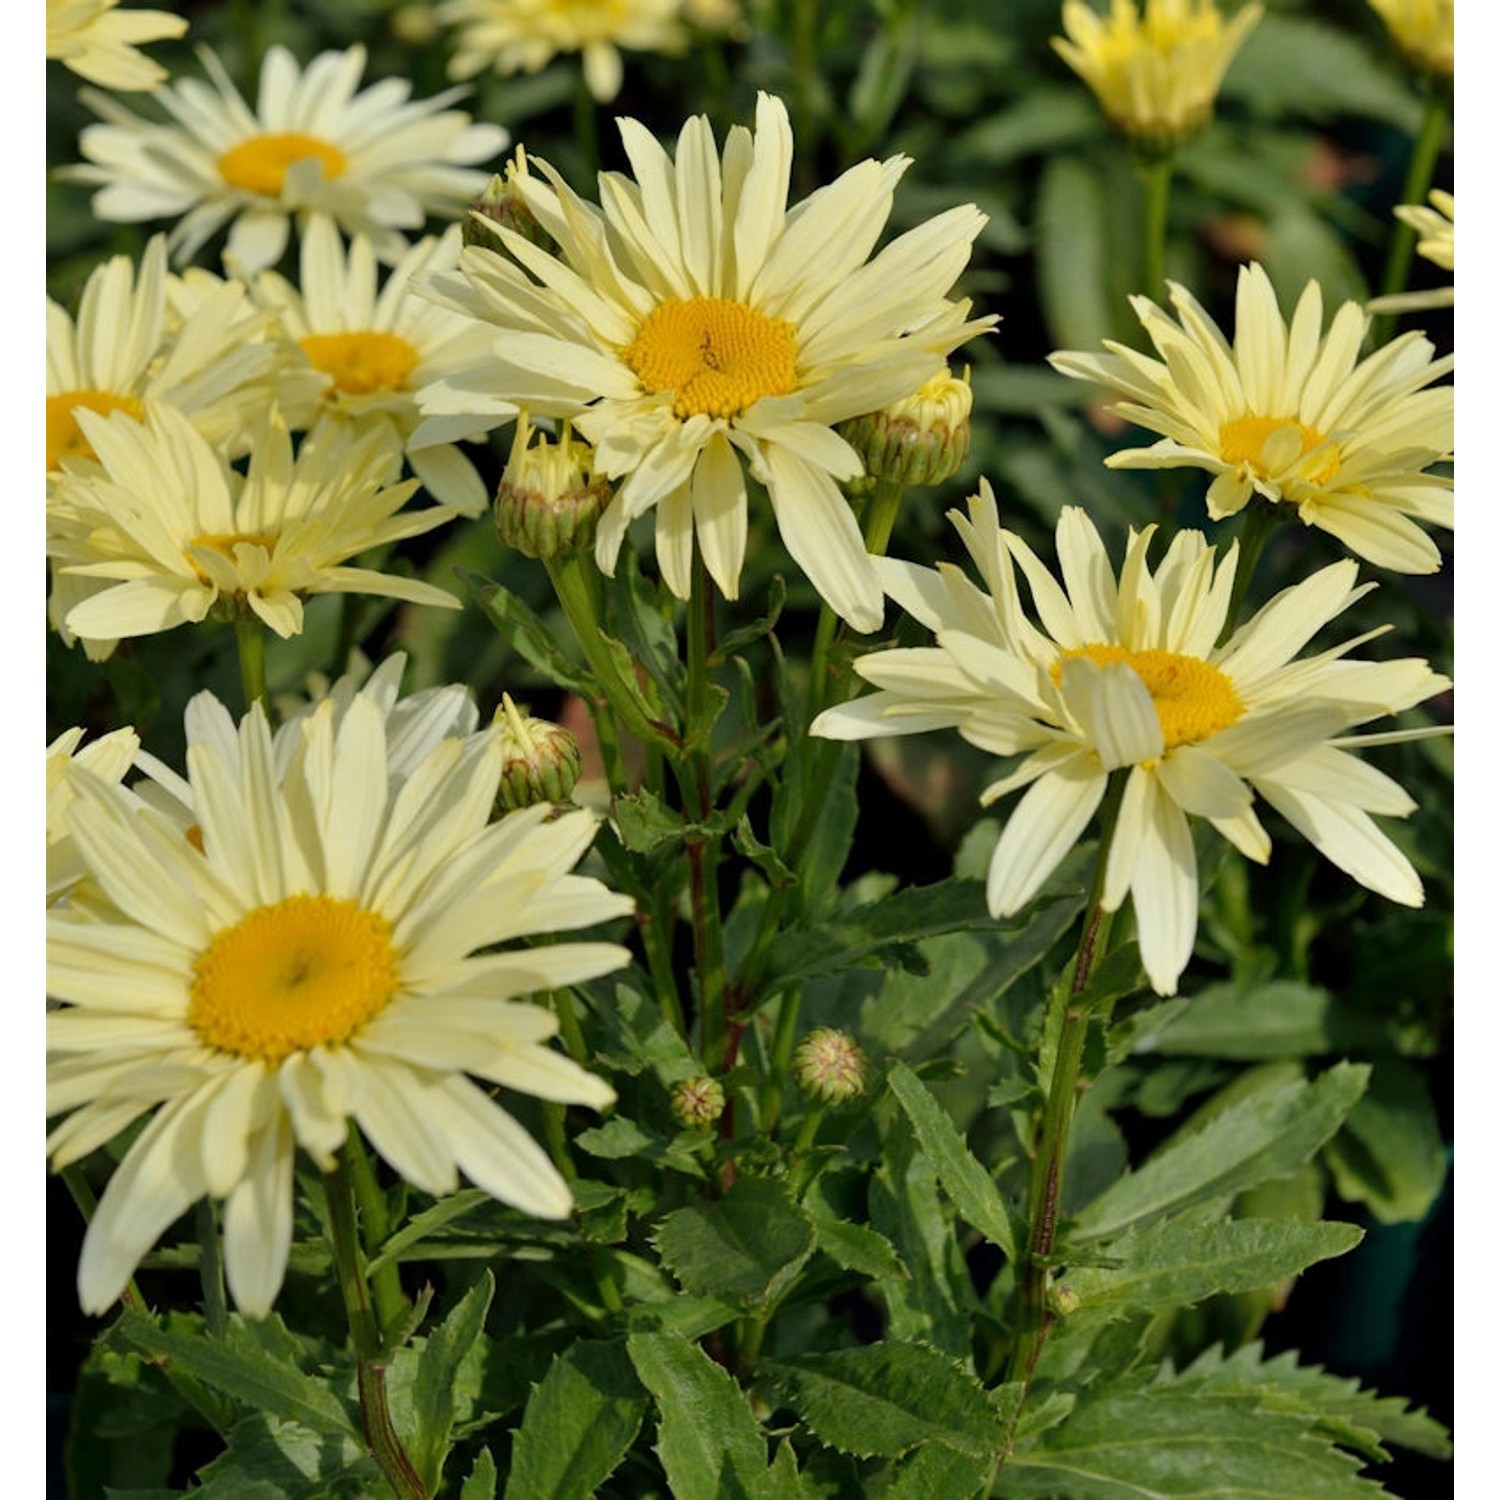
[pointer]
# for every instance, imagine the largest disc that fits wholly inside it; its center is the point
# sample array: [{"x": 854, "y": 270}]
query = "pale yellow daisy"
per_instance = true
[
  {"x": 523, "y": 36},
  {"x": 1155, "y": 71},
  {"x": 163, "y": 528},
  {"x": 1292, "y": 415},
  {"x": 370, "y": 348},
  {"x": 1434, "y": 230},
  {"x": 1423, "y": 29},
  {"x": 99, "y": 42},
  {"x": 1123, "y": 675},
  {"x": 322, "y": 954},
  {"x": 377, "y": 161},
  {"x": 694, "y": 328},
  {"x": 109, "y": 758}
]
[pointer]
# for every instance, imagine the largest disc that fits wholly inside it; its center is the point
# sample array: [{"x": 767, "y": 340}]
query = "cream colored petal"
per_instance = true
[
  {"x": 1201, "y": 784},
  {"x": 396, "y": 1111},
  {"x": 1118, "y": 718},
  {"x": 721, "y": 513},
  {"x": 674, "y": 540},
  {"x": 1044, "y": 825},
  {"x": 1164, "y": 893},
  {"x": 258, "y": 1222}
]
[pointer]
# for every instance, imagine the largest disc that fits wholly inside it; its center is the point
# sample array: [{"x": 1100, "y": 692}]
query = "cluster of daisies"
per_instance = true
[{"x": 321, "y": 923}]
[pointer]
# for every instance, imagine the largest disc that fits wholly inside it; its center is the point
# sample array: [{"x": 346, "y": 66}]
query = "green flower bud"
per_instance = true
[
  {"x": 542, "y": 761},
  {"x": 829, "y": 1066},
  {"x": 502, "y": 203},
  {"x": 1062, "y": 1300},
  {"x": 549, "y": 498},
  {"x": 922, "y": 439},
  {"x": 698, "y": 1101}
]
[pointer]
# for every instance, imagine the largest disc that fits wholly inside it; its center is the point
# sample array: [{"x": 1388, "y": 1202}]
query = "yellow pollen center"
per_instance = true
[
  {"x": 224, "y": 544},
  {"x": 308, "y": 971},
  {"x": 361, "y": 363},
  {"x": 1193, "y": 700},
  {"x": 260, "y": 164},
  {"x": 1243, "y": 441},
  {"x": 718, "y": 356},
  {"x": 65, "y": 437}
]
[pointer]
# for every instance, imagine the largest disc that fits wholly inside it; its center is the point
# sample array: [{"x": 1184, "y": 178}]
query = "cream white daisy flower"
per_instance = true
[
  {"x": 323, "y": 954},
  {"x": 515, "y": 36},
  {"x": 1123, "y": 676},
  {"x": 371, "y": 348},
  {"x": 378, "y": 162},
  {"x": 164, "y": 528},
  {"x": 99, "y": 42},
  {"x": 1293, "y": 415},
  {"x": 1434, "y": 230},
  {"x": 108, "y": 758},
  {"x": 131, "y": 349},
  {"x": 694, "y": 327}
]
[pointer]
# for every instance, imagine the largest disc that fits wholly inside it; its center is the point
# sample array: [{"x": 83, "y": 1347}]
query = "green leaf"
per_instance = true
[
  {"x": 239, "y": 1365},
  {"x": 1251, "y": 1023},
  {"x": 1157, "y": 1444},
  {"x": 579, "y": 1424},
  {"x": 710, "y": 1444},
  {"x": 1269, "y": 1134},
  {"x": 1180, "y": 1262},
  {"x": 746, "y": 1246},
  {"x": 622, "y": 1139},
  {"x": 885, "y": 1399},
  {"x": 526, "y": 631},
  {"x": 939, "y": 1473},
  {"x": 270, "y": 1459},
  {"x": 747, "y": 635},
  {"x": 480, "y": 1485},
  {"x": 645, "y": 823},
  {"x": 965, "y": 1181},
  {"x": 1041, "y": 121},
  {"x": 638, "y": 1039},
  {"x": 857, "y": 1247},
  {"x": 419, "y": 1226},
  {"x": 424, "y": 1379},
  {"x": 1073, "y": 254}
]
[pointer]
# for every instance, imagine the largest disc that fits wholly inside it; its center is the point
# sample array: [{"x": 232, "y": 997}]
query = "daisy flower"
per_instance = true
[
  {"x": 514, "y": 36},
  {"x": 1423, "y": 30},
  {"x": 1122, "y": 675},
  {"x": 693, "y": 328},
  {"x": 369, "y": 350},
  {"x": 1154, "y": 70},
  {"x": 313, "y": 958},
  {"x": 1292, "y": 415},
  {"x": 131, "y": 349},
  {"x": 1434, "y": 230},
  {"x": 163, "y": 528},
  {"x": 98, "y": 42},
  {"x": 108, "y": 758},
  {"x": 377, "y": 162}
]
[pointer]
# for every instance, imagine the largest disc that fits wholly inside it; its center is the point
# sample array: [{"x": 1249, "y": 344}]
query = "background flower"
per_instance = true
[{"x": 98, "y": 42}]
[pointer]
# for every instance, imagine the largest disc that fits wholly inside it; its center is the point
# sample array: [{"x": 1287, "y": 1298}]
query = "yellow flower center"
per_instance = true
[
  {"x": 260, "y": 164},
  {"x": 308, "y": 971},
  {"x": 1193, "y": 700},
  {"x": 65, "y": 437},
  {"x": 1245, "y": 440},
  {"x": 224, "y": 544},
  {"x": 361, "y": 363},
  {"x": 718, "y": 356}
]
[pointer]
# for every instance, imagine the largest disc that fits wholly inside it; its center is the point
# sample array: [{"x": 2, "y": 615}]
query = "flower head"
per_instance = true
[
  {"x": 109, "y": 758},
  {"x": 514, "y": 36},
  {"x": 1423, "y": 30},
  {"x": 377, "y": 162},
  {"x": 830, "y": 1066},
  {"x": 162, "y": 528},
  {"x": 1155, "y": 69},
  {"x": 312, "y": 959},
  {"x": 693, "y": 327},
  {"x": 369, "y": 351},
  {"x": 1292, "y": 415},
  {"x": 541, "y": 760},
  {"x": 550, "y": 498},
  {"x": 98, "y": 42},
  {"x": 1123, "y": 676},
  {"x": 1434, "y": 229},
  {"x": 921, "y": 439}
]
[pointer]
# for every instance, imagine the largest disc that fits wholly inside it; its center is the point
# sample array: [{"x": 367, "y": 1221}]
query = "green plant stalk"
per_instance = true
[
  {"x": 653, "y": 927},
  {"x": 374, "y": 1212},
  {"x": 1155, "y": 176},
  {"x": 1261, "y": 518},
  {"x": 783, "y": 1046},
  {"x": 586, "y": 127},
  {"x": 1044, "y": 1185},
  {"x": 374, "y": 1408},
  {"x": 1424, "y": 156},
  {"x": 250, "y": 642},
  {"x": 211, "y": 1268}
]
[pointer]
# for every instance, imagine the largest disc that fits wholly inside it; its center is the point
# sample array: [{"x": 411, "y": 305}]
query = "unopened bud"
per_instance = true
[
  {"x": 922, "y": 439},
  {"x": 541, "y": 760},
  {"x": 414, "y": 25},
  {"x": 503, "y": 203},
  {"x": 829, "y": 1066},
  {"x": 698, "y": 1101},
  {"x": 549, "y": 498},
  {"x": 1062, "y": 1300}
]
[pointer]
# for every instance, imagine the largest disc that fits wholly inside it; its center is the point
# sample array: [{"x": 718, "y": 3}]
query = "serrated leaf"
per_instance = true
[
  {"x": 885, "y": 1399},
  {"x": 579, "y": 1424},
  {"x": 1269, "y": 1134},
  {"x": 1251, "y": 1023},
  {"x": 709, "y": 1443},
  {"x": 1178, "y": 1263},
  {"x": 480, "y": 1485},
  {"x": 965, "y": 1181},
  {"x": 645, "y": 823},
  {"x": 622, "y": 1139},
  {"x": 939, "y": 1473},
  {"x": 270, "y": 1459},
  {"x": 638, "y": 1039},
  {"x": 746, "y": 1246},
  {"x": 241, "y": 1367},
  {"x": 857, "y": 1247}
]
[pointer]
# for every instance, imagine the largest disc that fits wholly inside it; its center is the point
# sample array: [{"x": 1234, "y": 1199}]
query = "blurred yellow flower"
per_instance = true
[
  {"x": 1156, "y": 74},
  {"x": 1434, "y": 227},
  {"x": 98, "y": 43},
  {"x": 1423, "y": 30}
]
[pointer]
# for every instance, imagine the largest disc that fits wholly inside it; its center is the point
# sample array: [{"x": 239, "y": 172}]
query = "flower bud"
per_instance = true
[
  {"x": 549, "y": 498},
  {"x": 542, "y": 761},
  {"x": 829, "y": 1066},
  {"x": 414, "y": 25},
  {"x": 922, "y": 439},
  {"x": 1062, "y": 1301},
  {"x": 698, "y": 1101},
  {"x": 503, "y": 203}
]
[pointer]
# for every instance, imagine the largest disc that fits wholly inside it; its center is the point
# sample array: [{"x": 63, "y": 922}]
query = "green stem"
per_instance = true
[
  {"x": 1156, "y": 193},
  {"x": 380, "y": 1436},
  {"x": 1431, "y": 134},
  {"x": 1260, "y": 521},
  {"x": 211, "y": 1268},
  {"x": 374, "y": 1212},
  {"x": 586, "y": 127},
  {"x": 250, "y": 641},
  {"x": 567, "y": 1023},
  {"x": 783, "y": 1045}
]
